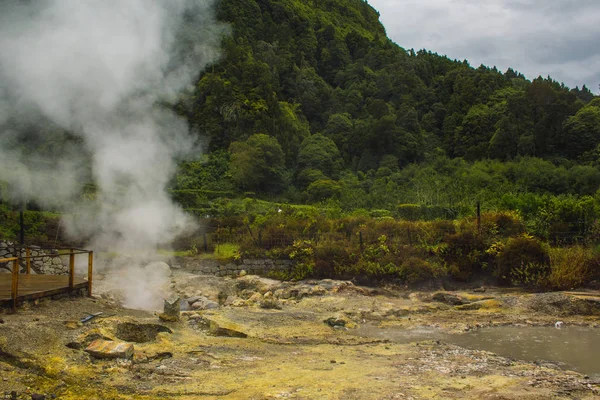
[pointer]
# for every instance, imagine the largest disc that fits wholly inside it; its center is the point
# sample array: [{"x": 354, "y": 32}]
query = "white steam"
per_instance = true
[{"x": 103, "y": 71}]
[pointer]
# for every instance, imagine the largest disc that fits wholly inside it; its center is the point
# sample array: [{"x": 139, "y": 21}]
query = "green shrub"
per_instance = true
[
  {"x": 304, "y": 254},
  {"x": 593, "y": 267},
  {"x": 465, "y": 254},
  {"x": 571, "y": 267},
  {"x": 524, "y": 254},
  {"x": 323, "y": 189},
  {"x": 530, "y": 275},
  {"x": 416, "y": 269},
  {"x": 428, "y": 235},
  {"x": 332, "y": 258},
  {"x": 409, "y": 212},
  {"x": 381, "y": 214},
  {"x": 504, "y": 223}
]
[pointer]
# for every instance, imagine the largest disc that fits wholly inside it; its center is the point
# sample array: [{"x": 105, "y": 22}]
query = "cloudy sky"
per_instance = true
[{"x": 560, "y": 38}]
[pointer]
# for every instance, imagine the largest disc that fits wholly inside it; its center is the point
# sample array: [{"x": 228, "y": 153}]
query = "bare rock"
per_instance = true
[
  {"x": 159, "y": 267},
  {"x": 256, "y": 284},
  {"x": 448, "y": 298},
  {"x": 202, "y": 303},
  {"x": 167, "y": 318},
  {"x": 172, "y": 308},
  {"x": 340, "y": 321},
  {"x": 562, "y": 304},
  {"x": 270, "y": 303},
  {"x": 105, "y": 349},
  {"x": 218, "y": 327}
]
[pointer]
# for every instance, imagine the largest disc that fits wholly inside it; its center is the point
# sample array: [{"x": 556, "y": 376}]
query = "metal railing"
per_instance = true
[{"x": 17, "y": 260}]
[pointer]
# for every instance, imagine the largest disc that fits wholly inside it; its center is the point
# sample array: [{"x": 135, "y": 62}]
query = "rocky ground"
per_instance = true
[{"x": 254, "y": 338}]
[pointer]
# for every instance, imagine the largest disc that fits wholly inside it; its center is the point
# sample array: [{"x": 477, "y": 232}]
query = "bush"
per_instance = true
[
  {"x": 332, "y": 258},
  {"x": 303, "y": 253},
  {"x": 524, "y": 255},
  {"x": 502, "y": 223},
  {"x": 381, "y": 214},
  {"x": 571, "y": 267},
  {"x": 593, "y": 265},
  {"x": 531, "y": 275},
  {"x": 465, "y": 253},
  {"x": 416, "y": 269},
  {"x": 409, "y": 212},
  {"x": 324, "y": 189}
]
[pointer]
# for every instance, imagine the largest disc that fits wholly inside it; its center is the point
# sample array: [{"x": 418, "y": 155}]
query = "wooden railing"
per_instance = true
[
  {"x": 16, "y": 267},
  {"x": 15, "y": 278}
]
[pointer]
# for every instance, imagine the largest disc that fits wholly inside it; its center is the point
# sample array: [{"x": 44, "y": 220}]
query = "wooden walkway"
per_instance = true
[{"x": 37, "y": 286}]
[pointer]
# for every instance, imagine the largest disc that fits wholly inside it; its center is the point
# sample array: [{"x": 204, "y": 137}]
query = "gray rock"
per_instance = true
[
  {"x": 204, "y": 304},
  {"x": 227, "y": 329},
  {"x": 159, "y": 268},
  {"x": 193, "y": 299},
  {"x": 448, "y": 298},
  {"x": 172, "y": 307}
]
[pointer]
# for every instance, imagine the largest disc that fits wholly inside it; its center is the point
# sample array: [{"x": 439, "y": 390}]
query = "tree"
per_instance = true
[
  {"x": 320, "y": 152},
  {"x": 504, "y": 143},
  {"x": 339, "y": 128},
  {"x": 582, "y": 130},
  {"x": 257, "y": 163},
  {"x": 324, "y": 189}
]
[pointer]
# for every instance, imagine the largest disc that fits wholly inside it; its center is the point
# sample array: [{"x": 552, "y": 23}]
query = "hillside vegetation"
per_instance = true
[
  {"x": 312, "y": 111},
  {"x": 312, "y": 100}
]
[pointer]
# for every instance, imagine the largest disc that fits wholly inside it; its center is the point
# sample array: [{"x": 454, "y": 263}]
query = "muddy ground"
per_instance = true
[{"x": 270, "y": 340}]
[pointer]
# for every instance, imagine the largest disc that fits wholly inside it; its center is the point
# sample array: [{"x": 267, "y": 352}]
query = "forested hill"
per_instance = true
[{"x": 332, "y": 93}]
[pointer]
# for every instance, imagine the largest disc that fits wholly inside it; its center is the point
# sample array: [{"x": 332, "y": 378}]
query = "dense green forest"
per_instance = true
[
  {"x": 311, "y": 102},
  {"x": 327, "y": 143}
]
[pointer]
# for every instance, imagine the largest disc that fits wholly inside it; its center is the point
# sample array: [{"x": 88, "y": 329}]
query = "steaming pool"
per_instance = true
[{"x": 570, "y": 347}]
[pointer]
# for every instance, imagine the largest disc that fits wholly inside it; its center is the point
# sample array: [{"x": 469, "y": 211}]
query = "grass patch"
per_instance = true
[
  {"x": 173, "y": 253},
  {"x": 224, "y": 252}
]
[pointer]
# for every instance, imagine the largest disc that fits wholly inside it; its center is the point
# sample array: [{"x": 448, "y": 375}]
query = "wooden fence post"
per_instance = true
[
  {"x": 15, "y": 283},
  {"x": 90, "y": 272},
  {"x": 71, "y": 269},
  {"x": 479, "y": 217},
  {"x": 28, "y": 261}
]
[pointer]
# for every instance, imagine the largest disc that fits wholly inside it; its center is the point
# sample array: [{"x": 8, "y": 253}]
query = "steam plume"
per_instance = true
[{"x": 92, "y": 77}]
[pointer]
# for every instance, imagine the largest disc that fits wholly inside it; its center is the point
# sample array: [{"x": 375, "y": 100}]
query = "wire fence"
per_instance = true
[
  {"x": 49, "y": 233},
  {"x": 265, "y": 240}
]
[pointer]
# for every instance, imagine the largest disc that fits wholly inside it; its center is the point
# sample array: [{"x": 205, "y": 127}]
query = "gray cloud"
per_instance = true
[{"x": 536, "y": 37}]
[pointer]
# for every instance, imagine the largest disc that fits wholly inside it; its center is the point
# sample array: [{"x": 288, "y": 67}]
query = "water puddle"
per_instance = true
[{"x": 572, "y": 347}]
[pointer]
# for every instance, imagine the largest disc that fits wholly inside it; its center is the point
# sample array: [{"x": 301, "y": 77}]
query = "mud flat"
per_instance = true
[{"x": 253, "y": 338}]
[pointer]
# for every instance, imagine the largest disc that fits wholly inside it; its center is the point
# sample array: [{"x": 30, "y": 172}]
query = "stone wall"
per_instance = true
[
  {"x": 251, "y": 266},
  {"x": 46, "y": 261}
]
